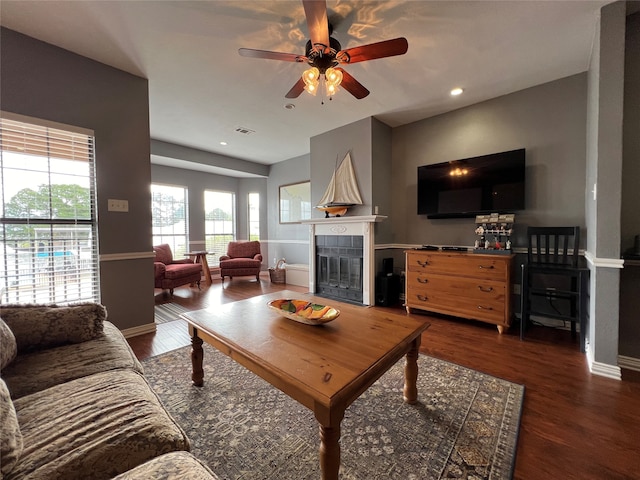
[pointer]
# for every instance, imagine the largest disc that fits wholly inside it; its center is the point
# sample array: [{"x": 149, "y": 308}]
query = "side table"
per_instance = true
[{"x": 201, "y": 257}]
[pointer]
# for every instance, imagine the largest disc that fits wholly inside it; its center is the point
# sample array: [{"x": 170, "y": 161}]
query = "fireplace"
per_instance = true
[
  {"x": 341, "y": 257},
  {"x": 339, "y": 267}
]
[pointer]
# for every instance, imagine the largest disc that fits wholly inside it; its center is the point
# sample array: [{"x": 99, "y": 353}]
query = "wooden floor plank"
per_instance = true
[{"x": 575, "y": 425}]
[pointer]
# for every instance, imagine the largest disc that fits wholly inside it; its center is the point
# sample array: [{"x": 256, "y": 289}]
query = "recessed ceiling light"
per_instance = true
[
  {"x": 223, "y": 143},
  {"x": 289, "y": 106},
  {"x": 456, "y": 91}
]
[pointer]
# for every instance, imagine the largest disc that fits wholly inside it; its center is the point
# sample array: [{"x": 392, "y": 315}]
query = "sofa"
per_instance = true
[
  {"x": 170, "y": 273},
  {"x": 74, "y": 403},
  {"x": 241, "y": 259}
]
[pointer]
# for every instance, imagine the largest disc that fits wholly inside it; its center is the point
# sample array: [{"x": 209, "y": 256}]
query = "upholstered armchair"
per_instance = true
[
  {"x": 242, "y": 259},
  {"x": 170, "y": 273}
]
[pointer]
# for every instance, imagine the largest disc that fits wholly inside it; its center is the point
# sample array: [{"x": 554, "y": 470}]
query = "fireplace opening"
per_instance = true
[{"x": 339, "y": 266}]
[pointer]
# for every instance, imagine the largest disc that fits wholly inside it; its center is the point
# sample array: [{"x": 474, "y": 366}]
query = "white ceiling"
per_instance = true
[{"x": 201, "y": 90}]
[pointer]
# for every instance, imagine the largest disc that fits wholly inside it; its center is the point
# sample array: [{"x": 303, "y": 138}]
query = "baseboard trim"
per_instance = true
[
  {"x": 630, "y": 363},
  {"x": 606, "y": 370},
  {"x": 139, "y": 330}
]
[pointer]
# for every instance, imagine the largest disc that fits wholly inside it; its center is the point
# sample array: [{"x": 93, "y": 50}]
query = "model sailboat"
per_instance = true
[{"x": 342, "y": 191}]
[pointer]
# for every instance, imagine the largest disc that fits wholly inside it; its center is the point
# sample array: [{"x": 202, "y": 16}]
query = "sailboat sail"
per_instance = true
[{"x": 343, "y": 188}]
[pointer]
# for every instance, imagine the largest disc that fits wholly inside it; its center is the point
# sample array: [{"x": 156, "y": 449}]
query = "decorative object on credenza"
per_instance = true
[
  {"x": 342, "y": 191},
  {"x": 495, "y": 232}
]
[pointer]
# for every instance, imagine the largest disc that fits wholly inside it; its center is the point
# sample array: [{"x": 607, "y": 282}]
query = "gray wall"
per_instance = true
[
  {"x": 43, "y": 81},
  {"x": 328, "y": 150},
  {"x": 286, "y": 240},
  {"x": 629, "y": 344},
  {"x": 631, "y": 140},
  {"x": 548, "y": 120},
  {"x": 604, "y": 169}
]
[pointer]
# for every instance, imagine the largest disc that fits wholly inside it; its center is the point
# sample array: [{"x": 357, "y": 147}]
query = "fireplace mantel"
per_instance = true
[{"x": 357, "y": 225}]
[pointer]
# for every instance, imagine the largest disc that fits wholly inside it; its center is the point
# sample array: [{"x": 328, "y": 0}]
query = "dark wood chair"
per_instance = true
[{"x": 553, "y": 271}]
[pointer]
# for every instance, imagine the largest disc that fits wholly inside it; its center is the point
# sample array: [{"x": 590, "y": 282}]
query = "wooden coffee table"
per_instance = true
[{"x": 325, "y": 368}]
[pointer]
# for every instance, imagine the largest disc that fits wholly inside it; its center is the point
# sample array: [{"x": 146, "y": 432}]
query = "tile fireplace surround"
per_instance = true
[{"x": 360, "y": 225}]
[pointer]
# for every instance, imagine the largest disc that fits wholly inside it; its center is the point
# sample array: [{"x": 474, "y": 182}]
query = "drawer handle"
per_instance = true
[
  {"x": 480, "y": 307},
  {"x": 422, "y": 298},
  {"x": 485, "y": 289},
  {"x": 422, "y": 280},
  {"x": 489, "y": 267},
  {"x": 423, "y": 263}
]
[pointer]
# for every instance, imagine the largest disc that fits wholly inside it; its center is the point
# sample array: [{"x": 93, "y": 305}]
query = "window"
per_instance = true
[
  {"x": 48, "y": 237},
  {"x": 254, "y": 216},
  {"x": 169, "y": 209},
  {"x": 220, "y": 220}
]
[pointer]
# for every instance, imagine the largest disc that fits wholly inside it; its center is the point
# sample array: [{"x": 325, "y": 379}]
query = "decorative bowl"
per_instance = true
[{"x": 303, "y": 311}]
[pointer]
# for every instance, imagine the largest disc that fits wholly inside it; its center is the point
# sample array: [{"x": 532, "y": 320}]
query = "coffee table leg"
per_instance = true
[
  {"x": 410, "y": 392},
  {"x": 197, "y": 374},
  {"x": 330, "y": 452}
]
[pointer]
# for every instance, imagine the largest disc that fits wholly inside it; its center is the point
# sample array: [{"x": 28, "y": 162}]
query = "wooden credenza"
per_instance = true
[{"x": 468, "y": 285}]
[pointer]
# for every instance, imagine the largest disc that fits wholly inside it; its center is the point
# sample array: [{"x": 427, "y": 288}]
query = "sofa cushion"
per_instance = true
[
  {"x": 50, "y": 325},
  {"x": 181, "y": 270},
  {"x": 171, "y": 466},
  {"x": 10, "y": 435},
  {"x": 240, "y": 263},
  {"x": 35, "y": 371},
  {"x": 8, "y": 346},
  {"x": 94, "y": 427}
]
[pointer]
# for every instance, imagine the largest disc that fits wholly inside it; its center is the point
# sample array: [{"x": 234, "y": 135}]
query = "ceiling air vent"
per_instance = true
[{"x": 245, "y": 130}]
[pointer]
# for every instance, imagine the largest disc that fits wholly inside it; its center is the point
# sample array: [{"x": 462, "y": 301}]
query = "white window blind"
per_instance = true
[
  {"x": 169, "y": 215},
  {"x": 254, "y": 216},
  {"x": 219, "y": 221},
  {"x": 48, "y": 237}
]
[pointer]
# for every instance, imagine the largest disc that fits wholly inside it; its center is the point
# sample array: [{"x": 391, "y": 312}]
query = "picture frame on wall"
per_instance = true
[{"x": 294, "y": 202}]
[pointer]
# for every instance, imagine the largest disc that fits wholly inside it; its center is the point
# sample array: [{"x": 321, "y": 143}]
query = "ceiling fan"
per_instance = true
[{"x": 324, "y": 53}]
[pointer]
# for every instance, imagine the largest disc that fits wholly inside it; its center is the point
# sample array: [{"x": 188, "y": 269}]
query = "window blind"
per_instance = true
[{"x": 48, "y": 237}]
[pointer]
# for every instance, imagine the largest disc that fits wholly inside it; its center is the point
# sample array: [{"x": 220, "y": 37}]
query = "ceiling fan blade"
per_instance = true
[
  {"x": 387, "y": 48},
  {"x": 296, "y": 90},
  {"x": 286, "y": 57},
  {"x": 317, "y": 23},
  {"x": 352, "y": 86}
]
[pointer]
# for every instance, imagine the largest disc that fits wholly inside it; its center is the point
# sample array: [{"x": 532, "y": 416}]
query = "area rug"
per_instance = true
[
  {"x": 168, "y": 312},
  {"x": 464, "y": 426}
]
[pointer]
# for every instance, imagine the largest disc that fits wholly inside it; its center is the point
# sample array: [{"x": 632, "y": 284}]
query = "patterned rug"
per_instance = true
[
  {"x": 168, "y": 312},
  {"x": 464, "y": 426}
]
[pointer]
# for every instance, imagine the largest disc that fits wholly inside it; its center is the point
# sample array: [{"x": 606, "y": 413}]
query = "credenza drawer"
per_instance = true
[
  {"x": 479, "y": 266},
  {"x": 474, "y": 286},
  {"x": 456, "y": 286}
]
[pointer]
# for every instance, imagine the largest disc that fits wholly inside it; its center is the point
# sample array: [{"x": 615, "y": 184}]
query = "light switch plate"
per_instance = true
[{"x": 115, "y": 205}]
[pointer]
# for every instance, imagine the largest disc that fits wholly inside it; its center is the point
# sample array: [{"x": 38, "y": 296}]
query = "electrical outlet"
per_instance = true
[
  {"x": 516, "y": 289},
  {"x": 549, "y": 294},
  {"x": 114, "y": 205}
]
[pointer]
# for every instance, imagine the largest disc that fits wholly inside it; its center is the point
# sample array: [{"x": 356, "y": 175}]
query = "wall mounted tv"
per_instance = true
[{"x": 472, "y": 186}]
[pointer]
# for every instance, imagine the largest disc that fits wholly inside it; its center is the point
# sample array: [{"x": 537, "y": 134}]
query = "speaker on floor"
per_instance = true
[
  {"x": 387, "y": 290},
  {"x": 387, "y": 266}
]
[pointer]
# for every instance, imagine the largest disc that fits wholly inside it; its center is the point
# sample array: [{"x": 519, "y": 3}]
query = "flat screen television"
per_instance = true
[{"x": 472, "y": 186}]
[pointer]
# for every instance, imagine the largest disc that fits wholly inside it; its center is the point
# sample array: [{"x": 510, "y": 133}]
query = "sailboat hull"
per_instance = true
[{"x": 337, "y": 211}]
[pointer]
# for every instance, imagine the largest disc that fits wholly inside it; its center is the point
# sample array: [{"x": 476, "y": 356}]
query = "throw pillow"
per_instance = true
[
  {"x": 44, "y": 326},
  {"x": 8, "y": 347},
  {"x": 10, "y": 436}
]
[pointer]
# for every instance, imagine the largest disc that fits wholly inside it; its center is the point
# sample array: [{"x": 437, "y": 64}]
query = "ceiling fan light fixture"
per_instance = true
[
  {"x": 311, "y": 88},
  {"x": 333, "y": 76},
  {"x": 311, "y": 76}
]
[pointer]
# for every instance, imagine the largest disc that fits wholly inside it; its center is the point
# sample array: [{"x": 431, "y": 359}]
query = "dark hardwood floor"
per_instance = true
[{"x": 574, "y": 425}]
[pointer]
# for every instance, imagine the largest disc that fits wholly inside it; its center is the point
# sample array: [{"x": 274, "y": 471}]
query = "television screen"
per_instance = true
[{"x": 471, "y": 186}]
